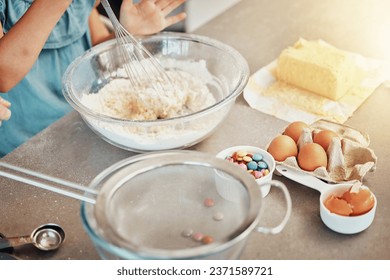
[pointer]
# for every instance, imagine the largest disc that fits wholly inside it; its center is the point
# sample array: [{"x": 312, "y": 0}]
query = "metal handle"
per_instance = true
[
  {"x": 110, "y": 12},
  {"x": 9, "y": 242},
  {"x": 40, "y": 180},
  {"x": 279, "y": 228}
]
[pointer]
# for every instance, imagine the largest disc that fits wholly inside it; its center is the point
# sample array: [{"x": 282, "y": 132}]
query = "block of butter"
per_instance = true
[{"x": 317, "y": 67}]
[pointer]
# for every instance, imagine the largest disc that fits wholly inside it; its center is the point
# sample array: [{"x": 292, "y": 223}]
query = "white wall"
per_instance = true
[{"x": 201, "y": 11}]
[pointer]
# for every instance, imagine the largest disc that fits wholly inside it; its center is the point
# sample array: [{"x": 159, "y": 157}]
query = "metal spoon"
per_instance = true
[{"x": 46, "y": 237}]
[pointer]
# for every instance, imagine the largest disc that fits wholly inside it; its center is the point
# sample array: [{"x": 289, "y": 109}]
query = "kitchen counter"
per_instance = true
[{"x": 258, "y": 29}]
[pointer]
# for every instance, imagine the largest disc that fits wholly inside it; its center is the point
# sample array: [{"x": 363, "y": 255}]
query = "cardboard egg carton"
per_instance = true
[{"x": 349, "y": 157}]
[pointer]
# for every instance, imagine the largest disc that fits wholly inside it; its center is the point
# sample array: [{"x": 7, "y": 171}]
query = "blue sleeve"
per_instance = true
[{"x": 2, "y": 10}]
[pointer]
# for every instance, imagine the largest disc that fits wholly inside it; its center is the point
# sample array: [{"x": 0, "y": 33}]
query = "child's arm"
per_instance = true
[
  {"x": 5, "y": 113},
  {"x": 20, "y": 47},
  {"x": 99, "y": 32}
]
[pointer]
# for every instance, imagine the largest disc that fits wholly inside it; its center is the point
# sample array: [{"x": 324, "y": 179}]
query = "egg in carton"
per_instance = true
[{"x": 349, "y": 157}]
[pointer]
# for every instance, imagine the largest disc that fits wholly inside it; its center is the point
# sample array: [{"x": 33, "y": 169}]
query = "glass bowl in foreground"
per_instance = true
[{"x": 147, "y": 208}]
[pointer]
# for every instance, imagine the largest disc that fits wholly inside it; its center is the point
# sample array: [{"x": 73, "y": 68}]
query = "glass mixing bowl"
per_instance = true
[{"x": 227, "y": 68}]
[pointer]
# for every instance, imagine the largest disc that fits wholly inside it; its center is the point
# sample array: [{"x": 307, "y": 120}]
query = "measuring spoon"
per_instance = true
[
  {"x": 46, "y": 237},
  {"x": 338, "y": 223}
]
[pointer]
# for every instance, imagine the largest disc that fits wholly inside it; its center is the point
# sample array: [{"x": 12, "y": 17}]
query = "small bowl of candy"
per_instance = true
[{"x": 256, "y": 161}]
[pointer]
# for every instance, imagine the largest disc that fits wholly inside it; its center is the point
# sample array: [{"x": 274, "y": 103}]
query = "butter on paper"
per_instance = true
[{"x": 268, "y": 95}]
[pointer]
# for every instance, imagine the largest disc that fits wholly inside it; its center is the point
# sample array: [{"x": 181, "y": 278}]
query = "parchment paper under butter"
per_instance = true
[
  {"x": 268, "y": 95},
  {"x": 349, "y": 157}
]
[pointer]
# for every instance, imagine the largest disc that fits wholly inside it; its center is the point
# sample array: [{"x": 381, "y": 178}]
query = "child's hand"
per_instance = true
[
  {"x": 5, "y": 113},
  {"x": 149, "y": 16}
]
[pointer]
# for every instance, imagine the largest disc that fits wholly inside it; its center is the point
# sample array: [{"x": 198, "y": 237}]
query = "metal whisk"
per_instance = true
[{"x": 140, "y": 65}]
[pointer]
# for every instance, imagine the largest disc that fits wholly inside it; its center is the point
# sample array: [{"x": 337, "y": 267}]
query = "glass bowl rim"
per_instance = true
[{"x": 85, "y": 111}]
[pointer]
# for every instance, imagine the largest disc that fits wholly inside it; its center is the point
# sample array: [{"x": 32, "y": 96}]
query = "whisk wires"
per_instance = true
[{"x": 141, "y": 67}]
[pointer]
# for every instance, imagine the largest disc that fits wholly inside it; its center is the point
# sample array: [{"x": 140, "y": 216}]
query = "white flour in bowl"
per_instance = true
[
  {"x": 120, "y": 99},
  {"x": 192, "y": 83}
]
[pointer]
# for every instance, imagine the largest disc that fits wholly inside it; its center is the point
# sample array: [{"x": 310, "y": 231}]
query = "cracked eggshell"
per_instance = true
[{"x": 345, "y": 224}]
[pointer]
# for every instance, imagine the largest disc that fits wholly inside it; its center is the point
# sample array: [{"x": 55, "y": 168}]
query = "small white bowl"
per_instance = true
[
  {"x": 344, "y": 224},
  {"x": 263, "y": 182}
]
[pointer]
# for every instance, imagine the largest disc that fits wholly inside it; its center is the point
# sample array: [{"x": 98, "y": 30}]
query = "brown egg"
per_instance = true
[
  {"x": 294, "y": 130},
  {"x": 312, "y": 156},
  {"x": 338, "y": 206},
  {"x": 282, "y": 147},
  {"x": 361, "y": 201},
  {"x": 324, "y": 138}
]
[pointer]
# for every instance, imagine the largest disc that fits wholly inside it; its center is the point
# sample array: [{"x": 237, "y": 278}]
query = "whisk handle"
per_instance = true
[{"x": 108, "y": 10}]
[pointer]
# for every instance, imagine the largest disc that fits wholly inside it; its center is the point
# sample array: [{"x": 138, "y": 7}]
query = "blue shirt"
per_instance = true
[{"x": 37, "y": 100}]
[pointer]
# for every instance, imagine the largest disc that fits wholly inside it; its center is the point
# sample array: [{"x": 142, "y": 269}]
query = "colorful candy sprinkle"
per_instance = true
[
  {"x": 243, "y": 166},
  {"x": 257, "y": 174},
  {"x": 207, "y": 239},
  {"x": 187, "y": 232},
  {"x": 209, "y": 202},
  {"x": 241, "y": 153},
  {"x": 257, "y": 157},
  {"x": 254, "y": 163},
  {"x": 218, "y": 216},
  {"x": 262, "y": 165},
  {"x": 247, "y": 159},
  {"x": 198, "y": 236}
]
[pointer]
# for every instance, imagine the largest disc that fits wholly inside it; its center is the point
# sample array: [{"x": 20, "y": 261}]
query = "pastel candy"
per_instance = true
[
  {"x": 262, "y": 165},
  {"x": 252, "y": 165},
  {"x": 257, "y": 157}
]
